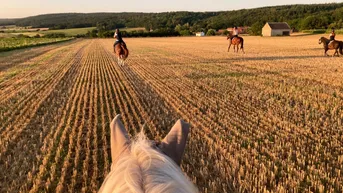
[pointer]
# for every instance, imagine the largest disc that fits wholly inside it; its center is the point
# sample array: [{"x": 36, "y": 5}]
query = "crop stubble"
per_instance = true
[{"x": 267, "y": 121}]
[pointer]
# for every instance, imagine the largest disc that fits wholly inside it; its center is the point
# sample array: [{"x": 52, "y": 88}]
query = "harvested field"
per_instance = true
[{"x": 267, "y": 121}]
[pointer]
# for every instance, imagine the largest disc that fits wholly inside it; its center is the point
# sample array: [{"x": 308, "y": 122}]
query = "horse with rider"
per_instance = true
[
  {"x": 331, "y": 44},
  {"x": 120, "y": 48},
  {"x": 235, "y": 40}
]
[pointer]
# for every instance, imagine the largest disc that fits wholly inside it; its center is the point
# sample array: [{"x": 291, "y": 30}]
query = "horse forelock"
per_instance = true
[{"x": 145, "y": 169}]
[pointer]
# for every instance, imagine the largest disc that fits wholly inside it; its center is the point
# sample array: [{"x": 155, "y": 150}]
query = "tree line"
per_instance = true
[{"x": 300, "y": 17}]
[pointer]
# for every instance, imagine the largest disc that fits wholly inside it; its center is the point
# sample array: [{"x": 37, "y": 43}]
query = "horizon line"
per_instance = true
[{"x": 52, "y": 13}]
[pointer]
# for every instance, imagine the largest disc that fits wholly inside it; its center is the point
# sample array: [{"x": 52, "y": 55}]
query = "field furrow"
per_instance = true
[
  {"x": 267, "y": 121},
  {"x": 35, "y": 134},
  {"x": 13, "y": 127},
  {"x": 49, "y": 165}
]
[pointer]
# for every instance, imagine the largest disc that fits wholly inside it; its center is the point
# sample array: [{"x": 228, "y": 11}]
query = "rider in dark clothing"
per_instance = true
[
  {"x": 332, "y": 36},
  {"x": 117, "y": 36}
]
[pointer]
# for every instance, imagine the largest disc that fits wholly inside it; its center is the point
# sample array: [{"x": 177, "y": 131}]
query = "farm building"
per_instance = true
[
  {"x": 276, "y": 29},
  {"x": 200, "y": 34}
]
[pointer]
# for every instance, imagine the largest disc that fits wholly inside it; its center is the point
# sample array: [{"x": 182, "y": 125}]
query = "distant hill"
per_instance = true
[
  {"x": 313, "y": 16},
  {"x": 148, "y": 20},
  {"x": 7, "y": 21}
]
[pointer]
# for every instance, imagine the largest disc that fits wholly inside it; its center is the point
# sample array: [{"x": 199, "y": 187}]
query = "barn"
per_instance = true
[{"x": 276, "y": 29}]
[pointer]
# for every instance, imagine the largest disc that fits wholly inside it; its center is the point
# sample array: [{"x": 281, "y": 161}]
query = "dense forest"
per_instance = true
[
  {"x": 7, "y": 21},
  {"x": 301, "y": 17}
]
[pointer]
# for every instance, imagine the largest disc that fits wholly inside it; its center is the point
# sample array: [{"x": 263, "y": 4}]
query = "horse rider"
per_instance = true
[
  {"x": 235, "y": 32},
  {"x": 332, "y": 36},
  {"x": 119, "y": 39}
]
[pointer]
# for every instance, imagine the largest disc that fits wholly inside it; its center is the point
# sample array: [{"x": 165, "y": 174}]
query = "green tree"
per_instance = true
[
  {"x": 338, "y": 14},
  {"x": 315, "y": 22},
  {"x": 256, "y": 28},
  {"x": 226, "y": 32},
  {"x": 211, "y": 32},
  {"x": 295, "y": 23},
  {"x": 185, "y": 32},
  {"x": 180, "y": 28},
  {"x": 93, "y": 33},
  {"x": 337, "y": 25}
]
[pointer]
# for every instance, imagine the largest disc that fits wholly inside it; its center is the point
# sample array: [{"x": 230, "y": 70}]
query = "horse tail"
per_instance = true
[
  {"x": 242, "y": 43},
  {"x": 341, "y": 48},
  {"x": 125, "y": 51}
]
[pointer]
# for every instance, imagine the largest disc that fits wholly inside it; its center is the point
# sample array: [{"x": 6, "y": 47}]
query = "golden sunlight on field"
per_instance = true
[{"x": 266, "y": 121}]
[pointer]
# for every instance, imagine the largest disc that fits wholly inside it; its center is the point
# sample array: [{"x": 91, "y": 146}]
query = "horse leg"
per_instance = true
[
  {"x": 118, "y": 60},
  {"x": 336, "y": 53},
  {"x": 122, "y": 61},
  {"x": 228, "y": 49}
]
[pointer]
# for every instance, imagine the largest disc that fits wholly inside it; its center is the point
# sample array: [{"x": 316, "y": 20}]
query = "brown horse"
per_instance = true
[
  {"x": 236, "y": 41},
  {"x": 335, "y": 45},
  {"x": 121, "y": 52}
]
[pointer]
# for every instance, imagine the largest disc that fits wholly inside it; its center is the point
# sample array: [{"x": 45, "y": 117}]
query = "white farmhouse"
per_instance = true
[{"x": 200, "y": 34}]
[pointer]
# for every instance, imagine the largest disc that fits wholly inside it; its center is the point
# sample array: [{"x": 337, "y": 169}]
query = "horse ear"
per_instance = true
[
  {"x": 119, "y": 138},
  {"x": 173, "y": 145}
]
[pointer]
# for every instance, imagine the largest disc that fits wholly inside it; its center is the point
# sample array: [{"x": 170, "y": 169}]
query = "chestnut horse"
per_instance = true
[
  {"x": 121, "y": 52},
  {"x": 236, "y": 41},
  {"x": 335, "y": 45},
  {"x": 144, "y": 166}
]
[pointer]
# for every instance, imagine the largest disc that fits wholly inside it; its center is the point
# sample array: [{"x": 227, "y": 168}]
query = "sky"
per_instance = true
[{"x": 24, "y": 8}]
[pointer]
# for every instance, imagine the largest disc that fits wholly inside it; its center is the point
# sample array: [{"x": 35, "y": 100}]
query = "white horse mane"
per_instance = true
[{"x": 145, "y": 170}]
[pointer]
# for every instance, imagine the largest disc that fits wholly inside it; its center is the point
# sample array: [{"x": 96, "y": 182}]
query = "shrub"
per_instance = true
[
  {"x": 22, "y": 36},
  {"x": 80, "y": 35},
  {"x": 226, "y": 32},
  {"x": 185, "y": 33},
  {"x": 211, "y": 32},
  {"x": 55, "y": 35}
]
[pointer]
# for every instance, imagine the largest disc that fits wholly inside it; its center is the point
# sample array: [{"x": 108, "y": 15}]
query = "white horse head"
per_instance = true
[{"x": 141, "y": 166}]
